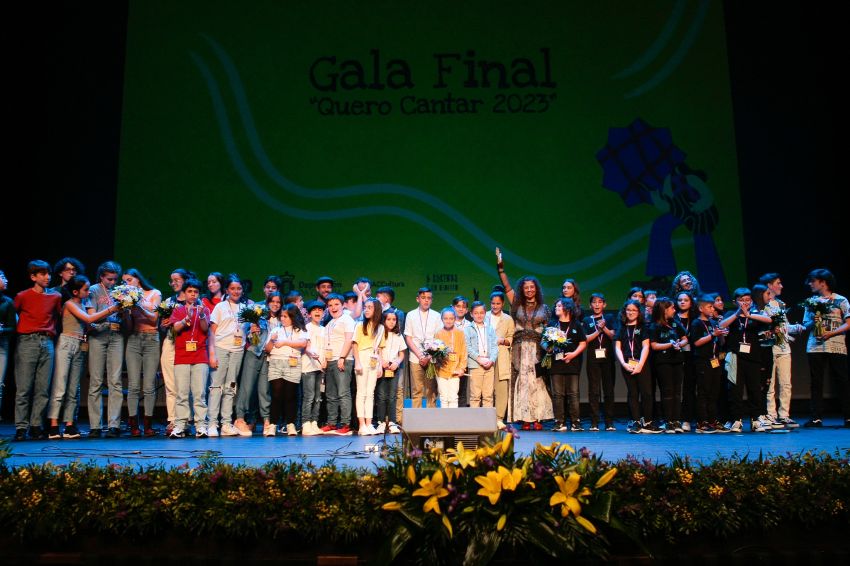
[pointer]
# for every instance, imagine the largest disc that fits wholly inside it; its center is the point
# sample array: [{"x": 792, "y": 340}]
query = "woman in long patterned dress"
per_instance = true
[{"x": 531, "y": 401}]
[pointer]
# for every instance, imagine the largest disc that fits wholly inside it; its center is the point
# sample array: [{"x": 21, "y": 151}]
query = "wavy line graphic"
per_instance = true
[
  {"x": 658, "y": 45},
  {"x": 414, "y": 194},
  {"x": 677, "y": 57}
]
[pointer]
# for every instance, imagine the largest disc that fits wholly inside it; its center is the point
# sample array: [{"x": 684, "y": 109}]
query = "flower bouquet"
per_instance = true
[
  {"x": 164, "y": 310},
  {"x": 819, "y": 307},
  {"x": 126, "y": 296},
  {"x": 439, "y": 351},
  {"x": 554, "y": 340},
  {"x": 778, "y": 320},
  {"x": 253, "y": 314}
]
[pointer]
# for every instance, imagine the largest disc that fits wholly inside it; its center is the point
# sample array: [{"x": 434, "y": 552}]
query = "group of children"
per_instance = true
[{"x": 298, "y": 367}]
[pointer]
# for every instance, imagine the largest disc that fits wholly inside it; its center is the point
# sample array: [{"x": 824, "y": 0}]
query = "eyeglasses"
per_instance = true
[{"x": 70, "y": 268}]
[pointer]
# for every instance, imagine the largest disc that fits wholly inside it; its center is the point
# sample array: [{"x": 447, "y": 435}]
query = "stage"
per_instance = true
[{"x": 363, "y": 451}]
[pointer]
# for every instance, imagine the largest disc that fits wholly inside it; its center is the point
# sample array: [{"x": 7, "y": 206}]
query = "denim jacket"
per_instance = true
[{"x": 472, "y": 345}]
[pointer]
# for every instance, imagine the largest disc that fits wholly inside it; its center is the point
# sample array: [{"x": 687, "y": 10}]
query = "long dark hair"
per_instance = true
[
  {"x": 640, "y": 319},
  {"x": 758, "y": 295},
  {"x": 393, "y": 311},
  {"x": 693, "y": 312},
  {"x": 280, "y": 310},
  {"x": 59, "y": 266},
  {"x": 371, "y": 325},
  {"x": 76, "y": 283},
  {"x": 221, "y": 287},
  {"x": 519, "y": 299},
  {"x": 659, "y": 308},
  {"x": 576, "y": 312},
  {"x": 295, "y": 316},
  {"x": 133, "y": 272}
]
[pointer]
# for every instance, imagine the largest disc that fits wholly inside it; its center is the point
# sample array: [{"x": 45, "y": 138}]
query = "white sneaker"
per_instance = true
[
  {"x": 500, "y": 424},
  {"x": 177, "y": 432},
  {"x": 758, "y": 426},
  {"x": 269, "y": 430},
  {"x": 363, "y": 431},
  {"x": 291, "y": 430},
  {"x": 227, "y": 429},
  {"x": 242, "y": 428},
  {"x": 736, "y": 426},
  {"x": 686, "y": 426},
  {"x": 394, "y": 429},
  {"x": 200, "y": 432},
  {"x": 382, "y": 428},
  {"x": 307, "y": 428},
  {"x": 212, "y": 431},
  {"x": 788, "y": 422}
]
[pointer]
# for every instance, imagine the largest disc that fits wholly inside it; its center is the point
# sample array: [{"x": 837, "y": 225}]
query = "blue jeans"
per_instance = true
[
  {"x": 106, "y": 349},
  {"x": 142, "y": 357},
  {"x": 338, "y": 392},
  {"x": 386, "y": 394},
  {"x": 65, "y": 392},
  {"x": 311, "y": 398},
  {"x": 255, "y": 379},
  {"x": 190, "y": 377},
  {"x": 33, "y": 368},
  {"x": 223, "y": 385}
]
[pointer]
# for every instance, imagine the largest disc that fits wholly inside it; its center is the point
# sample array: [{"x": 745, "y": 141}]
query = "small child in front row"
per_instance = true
[
  {"x": 313, "y": 364},
  {"x": 482, "y": 353},
  {"x": 705, "y": 335},
  {"x": 449, "y": 372},
  {"x": 285, "y": 347}
]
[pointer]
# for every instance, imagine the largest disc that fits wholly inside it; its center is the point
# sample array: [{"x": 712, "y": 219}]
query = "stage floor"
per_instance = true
[{"x": 353, "y": 451}]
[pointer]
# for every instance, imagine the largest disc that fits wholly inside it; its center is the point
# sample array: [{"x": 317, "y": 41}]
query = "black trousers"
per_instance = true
[
  {"x": 639, "y": 386},
  {"x": 601, "y": 375},
  {"x": 565, "y": 387},
  {"x": 748, "y": 377},
  {"x": 819, "y": 363},
  {"x": 670, "y": 378},
  {"x": 709, "y": 385},
  {"x": 689, "y": 390},
  {"x": 284, "y": 401}
]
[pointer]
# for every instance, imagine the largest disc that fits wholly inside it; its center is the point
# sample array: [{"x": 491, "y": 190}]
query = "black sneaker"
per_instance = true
[
  {"x": 95, "y": 433},
  {"x": 650, "y": 428},
  {"x": 53, "y": 433},
  {"x": 71, "y": 431},
  {"x": 113, "y": 433},
  {"x": 20, "y": 435},
  {"x": 576, "y": 427},
  {"x": 813, "y": 423},
  {"x": 36, "y": 433},
  {"x": 559, "y": 427}
]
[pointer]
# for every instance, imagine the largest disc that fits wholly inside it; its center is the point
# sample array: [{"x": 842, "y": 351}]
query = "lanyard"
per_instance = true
[
  {"x": 631, "y": 340},
  {"x": 193, "y": 315},
  {"x": 482, "y": 340},
  {"x": 424, "y": 325},
  {"x": 599, "y": 337},
  {"x": 713, "y": 339},
  {"x": 743, "y": 329}
]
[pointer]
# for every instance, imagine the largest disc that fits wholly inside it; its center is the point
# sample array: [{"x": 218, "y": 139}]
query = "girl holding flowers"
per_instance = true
[
  {"x": 566, "y": 365},
  {"x": 255, "y": 368},
  {"x": 142, "y": 352},
  {"x": 454, "y": 365}
]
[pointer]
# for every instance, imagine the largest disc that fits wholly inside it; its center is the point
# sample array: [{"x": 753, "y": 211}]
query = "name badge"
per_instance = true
[
  {"x": 373, "y": 362},
  {"x": 329, "y": 354},
  {"x": 633, "y": 363},
  {"x": 293, "y": 361},
  {"x": 191, "y": 346},
  {"x": 559, "y": 356},
  {"x": 237, "y": 340},
  {"x": 114, "y": 326},
  {"x": 600, "y": 353},
  {"x": 743, "y": 348},
  {"x": 389, "y": 373},
  {"x": 715, "y": 363},
  {"x": 452, "y": 357}
]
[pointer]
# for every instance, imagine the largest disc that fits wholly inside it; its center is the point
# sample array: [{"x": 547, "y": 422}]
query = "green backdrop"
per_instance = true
[{"x": 312, "y": 138}]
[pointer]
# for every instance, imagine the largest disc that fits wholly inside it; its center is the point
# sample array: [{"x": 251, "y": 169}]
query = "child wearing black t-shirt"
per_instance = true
[
  {"x": 631, "y": 346},
  {"x": 566, "y": 366},
  {"x": 599, "y": 331},
  {"x": 667, "y": 339},
  {"x": 705, "y": 336},
  {"x": 744, "y": 326}
]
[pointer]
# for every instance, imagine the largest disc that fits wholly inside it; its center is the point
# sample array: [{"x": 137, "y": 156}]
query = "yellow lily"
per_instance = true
[
  {"x": 411, "y": 474},
  {"x": 564, "y": 496},
  {"x": 606, "y": 477},
  {"x": 553, "y": 449},
  {"x": 391, "y": 506},
  {"x": 491, "y": 486},
  {"x": 510, "y": 478},
  {"x": 586, "y": 524},
  {"x": 448, "y": 525},
  {"x": 506, "y": 443},
  {"x": 501, "y": 523},
  {"x": 462, "y": 456},
  {"x": 432, "y": 489}
]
